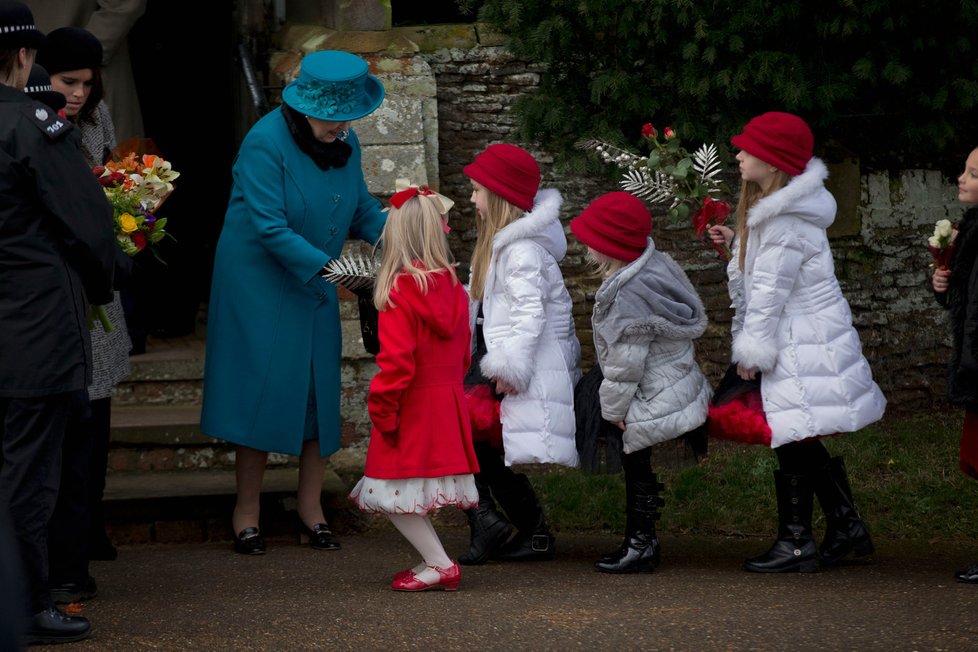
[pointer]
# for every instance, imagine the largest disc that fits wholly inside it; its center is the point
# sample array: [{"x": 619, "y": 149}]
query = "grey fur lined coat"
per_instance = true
[{"x": 645, "y": 319}]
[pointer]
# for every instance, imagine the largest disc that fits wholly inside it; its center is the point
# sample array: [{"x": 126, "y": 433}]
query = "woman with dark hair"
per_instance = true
[
  {"x": 272, "y": 371},
  {"x": 73, "y": 58},
  {"x": 956, "y": 288}
]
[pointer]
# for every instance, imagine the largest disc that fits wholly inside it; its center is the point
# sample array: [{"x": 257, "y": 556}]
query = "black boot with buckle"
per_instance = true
[
  {"x": 795, "y": 549},
  {"x": 533, "y": 540},
  {"x": 845, "y": 531},
  {"x": 640, "y": 551},
  {"x": 488, "y": 528}
]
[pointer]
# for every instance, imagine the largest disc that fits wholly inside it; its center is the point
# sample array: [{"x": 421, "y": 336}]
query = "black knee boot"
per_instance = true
[
  {"x": 845, "y": 531},
  {"x": 488, "y": 528},
  {"x": 639, "y": 552},
  {"x": 533, "y": 540},
  {"x": 795, "y": 548}
]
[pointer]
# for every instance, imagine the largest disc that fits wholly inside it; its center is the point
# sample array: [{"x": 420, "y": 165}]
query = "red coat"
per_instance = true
[{"x": 416, "y": 403}]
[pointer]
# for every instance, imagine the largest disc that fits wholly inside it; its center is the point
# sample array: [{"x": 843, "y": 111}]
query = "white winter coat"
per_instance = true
[
  {"x": 645, "y": 319},
  {"x": 792, "y": 321},
  {"x": 530, "y": 338}
]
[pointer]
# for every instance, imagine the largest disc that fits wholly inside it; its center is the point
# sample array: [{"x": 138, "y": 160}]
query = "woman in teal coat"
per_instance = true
[{"x": 272, "y": 371}]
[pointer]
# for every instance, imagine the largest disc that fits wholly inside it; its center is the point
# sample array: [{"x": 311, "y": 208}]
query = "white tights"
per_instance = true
[{"x": 420, "y": 533}]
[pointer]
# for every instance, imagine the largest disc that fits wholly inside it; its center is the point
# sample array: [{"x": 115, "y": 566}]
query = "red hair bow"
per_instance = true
[{"x": 405, "y": 191}]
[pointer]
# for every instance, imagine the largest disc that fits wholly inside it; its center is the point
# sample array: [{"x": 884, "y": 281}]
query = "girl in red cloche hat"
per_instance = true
[
  {"x": 646, "y": 316},
  {"x": 793, "y": 336},
  {"x": 956, "y": 288},
  {"x": 526, "y": 352},
  {"x": 420, "y": 455}
]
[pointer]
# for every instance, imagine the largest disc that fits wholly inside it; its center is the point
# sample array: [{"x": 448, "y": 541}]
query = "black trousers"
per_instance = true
[
  {"x": 638, "y": 466},
  {"x": 802, "y": 457},
  {"x": 30, "y": 471},
  {"x": 83, "y": 462}
]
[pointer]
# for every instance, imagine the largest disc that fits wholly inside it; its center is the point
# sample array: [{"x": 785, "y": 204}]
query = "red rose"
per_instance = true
[
  {"x": 648, "y": 131},
  {"x": 98, "y": 170},
  {"x": 138, "y": 239},
  {"x": 112, "y": 180},
  {"x": 712, "y": 213},
  {"x": 670, "y": 134}
]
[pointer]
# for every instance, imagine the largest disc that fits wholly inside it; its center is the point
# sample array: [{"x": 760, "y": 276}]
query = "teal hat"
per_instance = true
[{"x": 334, "y": 86}]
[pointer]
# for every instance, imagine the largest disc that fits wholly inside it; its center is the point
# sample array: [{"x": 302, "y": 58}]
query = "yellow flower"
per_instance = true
[{"x": 127, "y": 223}]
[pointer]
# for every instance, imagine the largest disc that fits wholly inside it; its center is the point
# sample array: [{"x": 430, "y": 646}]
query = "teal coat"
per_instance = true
[{"x": 273, "y": 322}]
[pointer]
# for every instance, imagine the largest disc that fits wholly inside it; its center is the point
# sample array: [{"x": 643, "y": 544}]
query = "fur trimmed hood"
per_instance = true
[
  {"x": 804, "y": 197},
  {"x": 541, "y": 225},
  {"x": 650, "y": 297}
]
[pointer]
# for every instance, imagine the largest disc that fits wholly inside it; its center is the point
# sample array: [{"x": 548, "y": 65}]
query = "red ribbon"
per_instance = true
[{"x": 400, "y": 197}]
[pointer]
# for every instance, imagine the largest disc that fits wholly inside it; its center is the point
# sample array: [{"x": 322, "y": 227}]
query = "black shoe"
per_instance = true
[
  {"x": 795, "y": 549},
  {"x": 845, "y": 531},
  {"x": 537, "y": 546},
  {"x": 968, "y": 576},
  {"x": 489, "y": 531},
  {"x": 640, "y": 555},
  {"x": 320, "y": 536},
  {"x": 54, "y": 626},
  {"x": 640, "y": 552},
  {"x": 249, "y": 541},
  {"x": 68, "y": 592},
  {"x": 533, "y": 540}
]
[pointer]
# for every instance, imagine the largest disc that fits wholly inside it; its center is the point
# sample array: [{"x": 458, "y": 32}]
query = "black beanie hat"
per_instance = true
[{"x": 70, "y": 48}]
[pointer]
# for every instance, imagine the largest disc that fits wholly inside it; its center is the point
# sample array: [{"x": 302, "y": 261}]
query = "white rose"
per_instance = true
[
  {"x": 943, "y": 229},
  {"x": 934, "y": 241}
]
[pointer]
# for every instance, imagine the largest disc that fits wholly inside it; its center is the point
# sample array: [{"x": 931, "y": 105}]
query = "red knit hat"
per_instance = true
[
  {"x": 779, "y": 139},
  {"x": 617, "y": 225},
  {"x": 509, "y": 171}
]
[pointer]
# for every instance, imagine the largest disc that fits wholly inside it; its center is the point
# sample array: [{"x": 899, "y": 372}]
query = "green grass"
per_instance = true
[{"x": 904, "y": 475}]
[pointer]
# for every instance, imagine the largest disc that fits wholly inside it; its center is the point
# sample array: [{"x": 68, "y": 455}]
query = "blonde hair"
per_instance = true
[
  {"x": 414, "y": 243},
  {"x": 603, "y": 265},
  {"x": 750, "y": 193},
  {"x": 501, "y": 214}
]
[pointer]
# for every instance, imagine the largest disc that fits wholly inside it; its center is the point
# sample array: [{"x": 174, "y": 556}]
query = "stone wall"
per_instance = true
[{"x": 879, "y": 242}]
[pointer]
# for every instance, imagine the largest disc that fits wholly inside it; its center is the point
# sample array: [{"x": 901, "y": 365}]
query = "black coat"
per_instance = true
[
  {"x": 57, "y": 251},
  {"x": 962, "y": 301}
]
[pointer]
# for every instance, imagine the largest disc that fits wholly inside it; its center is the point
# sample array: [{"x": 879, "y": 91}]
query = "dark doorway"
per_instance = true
[{"x": 183, "y": 61}]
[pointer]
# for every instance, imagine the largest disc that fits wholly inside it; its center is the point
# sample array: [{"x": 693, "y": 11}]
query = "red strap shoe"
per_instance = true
[{"x": 448, "y": 579}]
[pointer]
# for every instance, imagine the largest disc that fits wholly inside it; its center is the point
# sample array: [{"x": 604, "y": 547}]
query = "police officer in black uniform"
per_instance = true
[{"x": 57, "y": 250}]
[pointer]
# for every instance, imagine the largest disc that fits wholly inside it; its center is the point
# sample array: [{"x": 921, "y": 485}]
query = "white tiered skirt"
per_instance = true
[{"x": 415, "y": 495}]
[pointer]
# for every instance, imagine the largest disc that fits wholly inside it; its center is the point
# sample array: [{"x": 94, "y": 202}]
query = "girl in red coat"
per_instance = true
[{"x": 420, "y": 456}]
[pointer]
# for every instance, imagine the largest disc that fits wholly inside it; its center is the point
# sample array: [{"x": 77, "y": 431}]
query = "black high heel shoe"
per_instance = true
[
  {"x": 320, "y": 536},
  {"x": 249, "y": 541}
]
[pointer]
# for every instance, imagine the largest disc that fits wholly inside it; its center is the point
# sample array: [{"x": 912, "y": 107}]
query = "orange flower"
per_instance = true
[{"x": 149, "y": 160}]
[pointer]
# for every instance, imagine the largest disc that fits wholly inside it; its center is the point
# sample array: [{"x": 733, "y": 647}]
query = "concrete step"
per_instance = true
[
  {"x": 196, "y": 505},
  {"x": 170, "y": 372}
]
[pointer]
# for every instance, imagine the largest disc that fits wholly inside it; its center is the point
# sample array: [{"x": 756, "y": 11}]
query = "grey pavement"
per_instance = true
[{"x": 205, "y": 597}]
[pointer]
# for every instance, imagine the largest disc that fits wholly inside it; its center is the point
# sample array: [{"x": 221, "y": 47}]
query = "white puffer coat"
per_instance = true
[
  {"x": 645, "y": 319},
  {"x": 530, "y": 337},
  {"x": 792, "y": 321}
]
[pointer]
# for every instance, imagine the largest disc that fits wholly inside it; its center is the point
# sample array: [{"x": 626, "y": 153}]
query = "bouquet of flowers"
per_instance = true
[
  {"x": 941, "y": 244},
  {"x": 136, "y": 185},
  {"x": 671, "y": 177}
]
